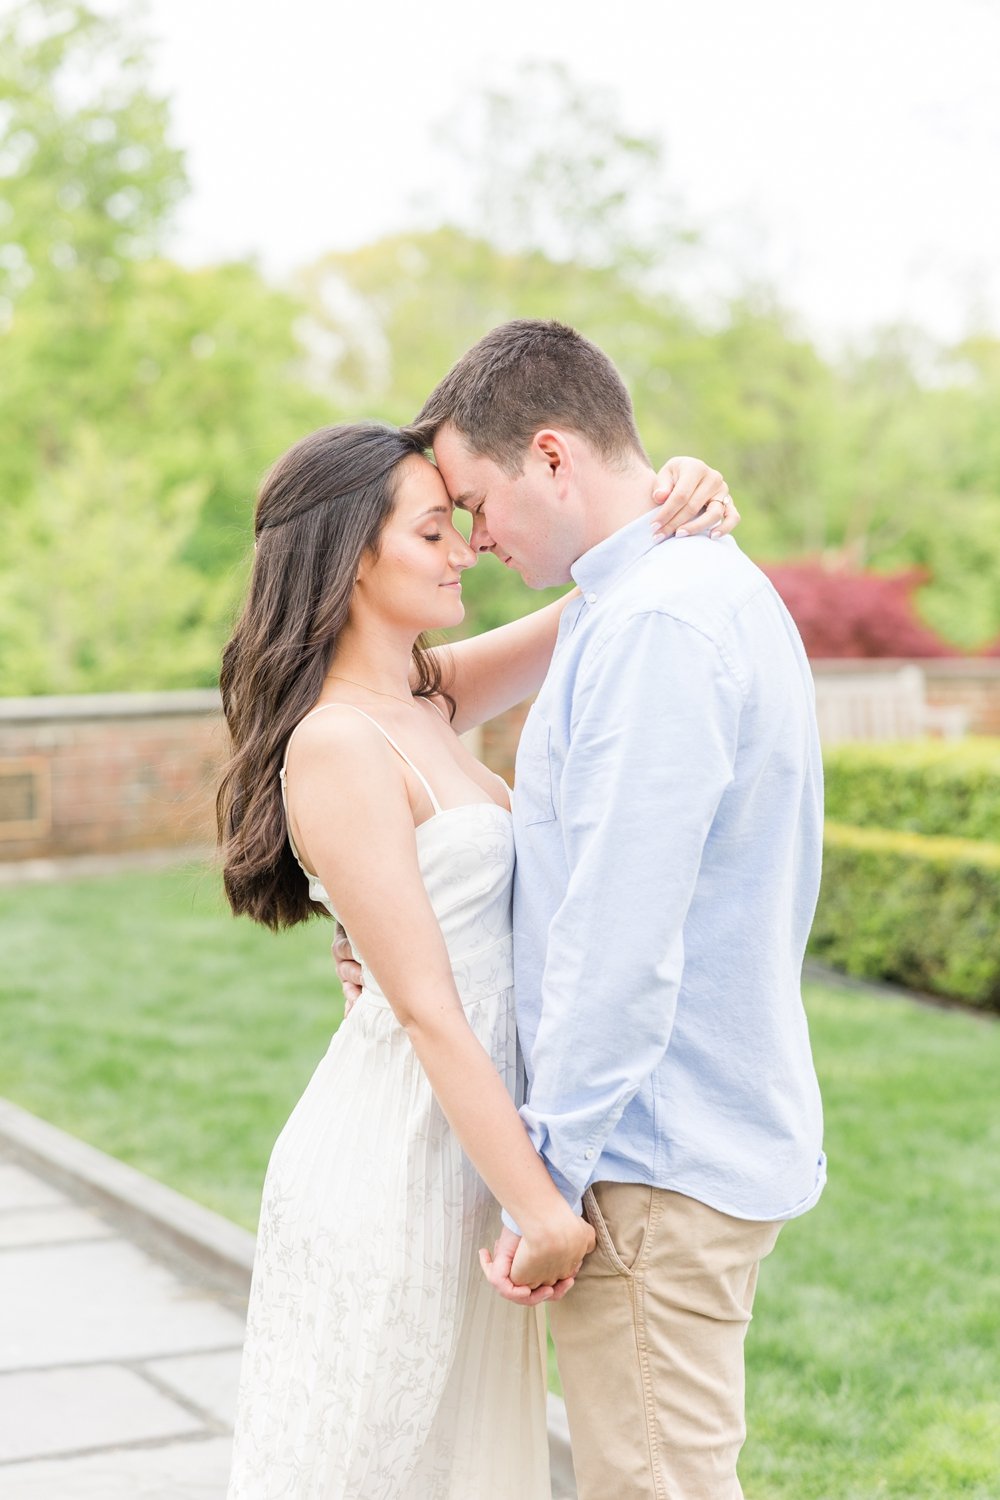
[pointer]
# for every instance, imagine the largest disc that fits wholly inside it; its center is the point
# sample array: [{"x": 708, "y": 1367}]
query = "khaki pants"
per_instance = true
[{"x": 650, "y": 1346}]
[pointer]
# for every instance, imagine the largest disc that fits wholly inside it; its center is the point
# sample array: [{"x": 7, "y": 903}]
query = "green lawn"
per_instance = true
[{"x": 136, "y": 1014}]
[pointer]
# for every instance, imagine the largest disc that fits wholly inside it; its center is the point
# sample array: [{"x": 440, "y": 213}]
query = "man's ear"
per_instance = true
[{"x": 553, "y": 450}]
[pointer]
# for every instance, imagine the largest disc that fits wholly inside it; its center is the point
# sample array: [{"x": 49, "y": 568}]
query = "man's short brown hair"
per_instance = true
[{"x": 524, "y": 376}]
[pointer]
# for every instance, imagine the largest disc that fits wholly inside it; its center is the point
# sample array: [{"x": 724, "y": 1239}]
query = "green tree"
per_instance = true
[
  {"x": 96, "y": 594},
  {"x": 186, "y": 383},
  {"x": 952, "y": 498},
  {"x": 124, "y": 373},
  {"x": 87, "y": 180}
]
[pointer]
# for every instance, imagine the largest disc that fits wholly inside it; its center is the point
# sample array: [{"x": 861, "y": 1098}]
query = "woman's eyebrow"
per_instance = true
[{"x": 435, "y": 510}]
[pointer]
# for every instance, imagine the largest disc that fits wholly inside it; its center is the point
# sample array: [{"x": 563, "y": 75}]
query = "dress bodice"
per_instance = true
[{"x": 466, "y": 857}]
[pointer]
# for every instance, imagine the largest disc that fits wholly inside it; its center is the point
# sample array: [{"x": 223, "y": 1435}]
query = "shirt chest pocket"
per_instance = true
[{"x": 533, "y": 784}]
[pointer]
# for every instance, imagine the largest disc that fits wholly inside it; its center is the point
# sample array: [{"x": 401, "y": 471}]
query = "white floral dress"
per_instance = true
[{"x": 379, "y": 1364}]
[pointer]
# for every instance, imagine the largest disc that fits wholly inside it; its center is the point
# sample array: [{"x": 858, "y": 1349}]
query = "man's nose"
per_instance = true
[{"x": 480, "y": 538}]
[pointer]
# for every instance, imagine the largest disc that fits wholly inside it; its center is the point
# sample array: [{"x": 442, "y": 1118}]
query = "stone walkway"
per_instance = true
[{"x": 121, "y": 1323}]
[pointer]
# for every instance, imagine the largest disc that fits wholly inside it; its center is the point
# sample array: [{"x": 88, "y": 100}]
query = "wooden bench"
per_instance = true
[{"x": 889, "y": 705}]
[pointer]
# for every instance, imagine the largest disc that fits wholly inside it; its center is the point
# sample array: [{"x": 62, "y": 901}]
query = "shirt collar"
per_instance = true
[{"x": 597, "y": 570}]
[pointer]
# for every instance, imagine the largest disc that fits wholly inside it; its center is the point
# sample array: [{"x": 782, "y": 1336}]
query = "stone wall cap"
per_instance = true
[
  {"x": 987, "y": 667},
  {"x": 220, "y": 1245},
  {"x": 110, "y": 706}
]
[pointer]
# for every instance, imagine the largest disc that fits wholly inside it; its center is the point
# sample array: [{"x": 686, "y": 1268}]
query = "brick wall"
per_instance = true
[
  {"x": 107, "y": 774},
  {"x": 115, "y": 773},
  {"x": 972, "y": 684}
]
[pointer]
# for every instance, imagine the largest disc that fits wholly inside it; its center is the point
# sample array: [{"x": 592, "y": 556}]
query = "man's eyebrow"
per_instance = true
[{"x": 465, "y": 499}]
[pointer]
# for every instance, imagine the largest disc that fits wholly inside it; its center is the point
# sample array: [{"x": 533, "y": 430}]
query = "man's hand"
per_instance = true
[
  {"x": 348, "y": 968},
  {"x": 497, "y": 1269},
  {"x": 518, "y": 1274},
  {"x": 693, "y": 498}
]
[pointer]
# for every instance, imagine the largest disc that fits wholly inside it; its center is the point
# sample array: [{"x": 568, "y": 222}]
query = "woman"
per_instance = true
[{"x": 379, "y": 1363}]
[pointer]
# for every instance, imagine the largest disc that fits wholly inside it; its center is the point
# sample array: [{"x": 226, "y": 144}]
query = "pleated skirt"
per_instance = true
[{"x": 379, "y": 1364}]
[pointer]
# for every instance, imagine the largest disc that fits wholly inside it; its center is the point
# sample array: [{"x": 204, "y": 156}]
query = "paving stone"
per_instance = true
[
  {"x": 178, "y": 1471},
  {"x": 46, "y": 1412},
  {"x": 69, "y": 1304},
  {"x": 81, "y": 1302},
  {"x": 211, "y": 1381},
  {"x": 22, "y": 1189},
  {"x": 49, "y": 1225},
  {"x": 560, "y": 1457}
]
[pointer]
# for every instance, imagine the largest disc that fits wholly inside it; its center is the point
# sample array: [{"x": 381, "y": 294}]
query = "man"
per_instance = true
[{"x": 667, "y": 824}]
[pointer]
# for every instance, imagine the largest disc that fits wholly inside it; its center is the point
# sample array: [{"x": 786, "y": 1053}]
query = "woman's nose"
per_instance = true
[{"x": 462, "y": 555}]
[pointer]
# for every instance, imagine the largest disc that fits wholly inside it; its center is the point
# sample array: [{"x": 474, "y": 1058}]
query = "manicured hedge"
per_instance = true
[
  {"x": 945, "y": 788},
  {"x": 919, "y": 911}
]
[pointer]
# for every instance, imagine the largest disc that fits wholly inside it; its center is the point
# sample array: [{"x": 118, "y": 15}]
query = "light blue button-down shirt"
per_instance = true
[{"x": 668, "y": 819}]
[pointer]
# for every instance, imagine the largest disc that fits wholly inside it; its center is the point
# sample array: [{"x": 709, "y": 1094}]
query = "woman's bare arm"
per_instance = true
[
  {"x": 490, "y": 672},
  {"x": 363, "y": 848}
]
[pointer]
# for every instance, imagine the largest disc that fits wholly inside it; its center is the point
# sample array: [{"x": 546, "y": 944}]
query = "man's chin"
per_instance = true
[
  {"x": 529, "y": 577},
  {"x": 513, "y": 567},
  {"x": 533, "y": 580},
  {"x": 544, "y": 581}
]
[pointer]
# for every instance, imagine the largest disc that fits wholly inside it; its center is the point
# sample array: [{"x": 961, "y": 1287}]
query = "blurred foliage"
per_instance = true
[
  {"x": 130, "y": 382},
  {"x": 936, "y": 787},
  {"x": 934, "y": 926},
  {"x": 917, "y": 824},
  {"x": 151, "y": 619},
  {"x": 842, "y": 612},
  {"x": 141, "y": 401}
]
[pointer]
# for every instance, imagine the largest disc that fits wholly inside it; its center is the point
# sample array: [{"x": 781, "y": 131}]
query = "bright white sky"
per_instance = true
[{"x": 850, "y": 149}]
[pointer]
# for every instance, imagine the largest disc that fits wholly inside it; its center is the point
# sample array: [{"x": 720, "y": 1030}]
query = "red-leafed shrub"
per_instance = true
[{"x": 842, "y": 612}]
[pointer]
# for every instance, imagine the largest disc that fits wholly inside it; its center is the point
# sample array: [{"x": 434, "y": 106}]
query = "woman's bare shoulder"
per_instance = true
[
  {"x": 341, "y": 734},
  {"x": 344, "y": 782}
]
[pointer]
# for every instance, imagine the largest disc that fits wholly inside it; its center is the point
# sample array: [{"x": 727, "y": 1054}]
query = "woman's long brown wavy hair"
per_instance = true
[{"x": 323, "y": 505}]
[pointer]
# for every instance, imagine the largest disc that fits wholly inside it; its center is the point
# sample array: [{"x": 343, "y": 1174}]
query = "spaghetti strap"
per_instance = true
[{"x": 385, "y": 734}]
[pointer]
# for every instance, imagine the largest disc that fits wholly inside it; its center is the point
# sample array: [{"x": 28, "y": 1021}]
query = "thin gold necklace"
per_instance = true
[{"x": 412, "y": 702}]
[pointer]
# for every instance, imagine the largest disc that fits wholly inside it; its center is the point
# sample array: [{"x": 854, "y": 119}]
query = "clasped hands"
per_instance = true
[{"x": 525, "y": 1275}]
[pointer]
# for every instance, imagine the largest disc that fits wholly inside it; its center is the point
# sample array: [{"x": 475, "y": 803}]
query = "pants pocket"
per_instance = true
[{"x": 619, "y": 1213}]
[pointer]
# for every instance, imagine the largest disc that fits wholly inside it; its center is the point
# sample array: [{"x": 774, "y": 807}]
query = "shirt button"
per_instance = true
[
  {"x": 589, "y": 1155},
  {"x": 591, "y": 598}
]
